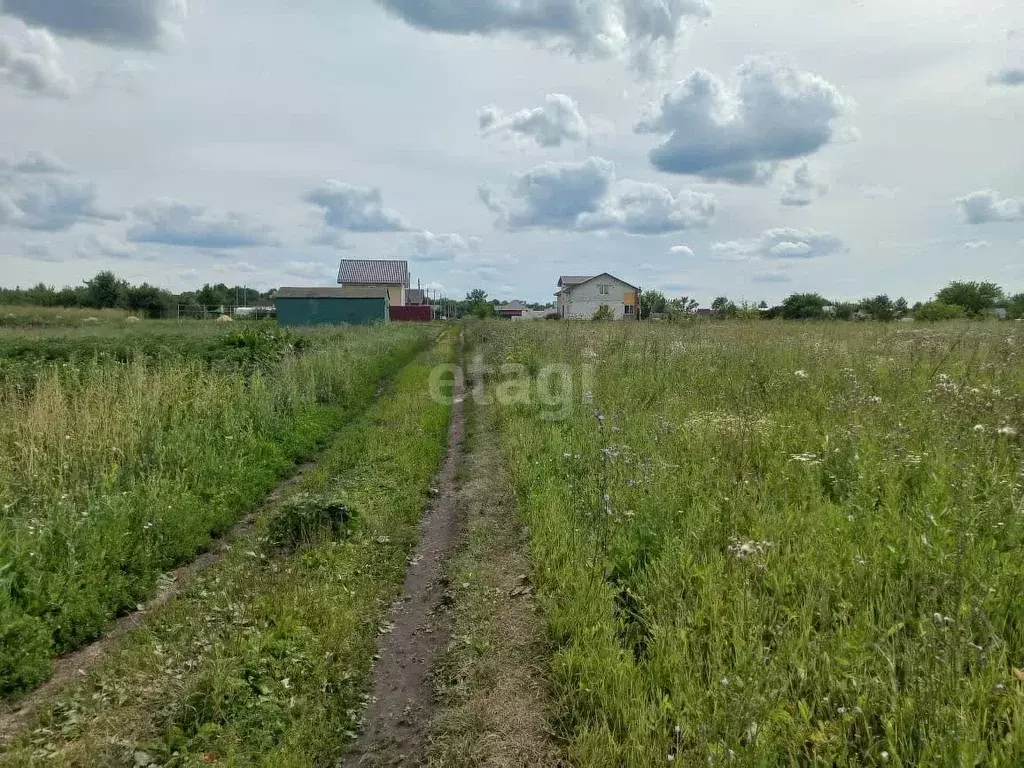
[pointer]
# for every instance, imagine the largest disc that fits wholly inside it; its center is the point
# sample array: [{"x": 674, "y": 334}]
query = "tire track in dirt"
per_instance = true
[{"x": 398, "y": 718}]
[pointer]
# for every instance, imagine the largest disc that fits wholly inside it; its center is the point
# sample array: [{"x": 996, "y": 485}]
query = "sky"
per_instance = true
[{"x": 696, "y": 147}]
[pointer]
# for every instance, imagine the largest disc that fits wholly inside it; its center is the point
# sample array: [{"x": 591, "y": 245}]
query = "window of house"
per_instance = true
[
  {"x": 627, "y": 309},
  {"x": 604, "y": 290}
]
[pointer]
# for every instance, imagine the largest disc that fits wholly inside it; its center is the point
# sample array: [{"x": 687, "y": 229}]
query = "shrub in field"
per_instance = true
[
  {"x": 306, "y": 518},
  {"x": 112, "y": 473}
]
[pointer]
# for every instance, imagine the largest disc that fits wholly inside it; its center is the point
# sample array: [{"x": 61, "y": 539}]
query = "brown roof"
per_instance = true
[
  {"x": 373, "y": 272},
  {"x": 513, "y": 306},
  {"x": 414, "y": 296},
  {"x": 571, "y": 281}
]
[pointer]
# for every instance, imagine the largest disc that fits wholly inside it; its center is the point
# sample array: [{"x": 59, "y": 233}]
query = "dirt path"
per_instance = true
[
  {"x": 496, "y": 707},
  {"x": 67, "y": 668},
  {"x": 397, "y": 720}
]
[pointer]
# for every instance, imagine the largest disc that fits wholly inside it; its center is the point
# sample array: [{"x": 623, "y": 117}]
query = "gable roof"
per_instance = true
[
  {"x": 373, "y": 272},
  {"x": 567, "y": 280},
  {"x": 414, "y": 296},
  {"x": 513, "y": 306},
  {"x": 574, "y": 281}
]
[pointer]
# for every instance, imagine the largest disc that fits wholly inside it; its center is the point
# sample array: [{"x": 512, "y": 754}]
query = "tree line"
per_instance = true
[
  {"x": 107, "y": 291},
  {"x": 958, "y": 299}
]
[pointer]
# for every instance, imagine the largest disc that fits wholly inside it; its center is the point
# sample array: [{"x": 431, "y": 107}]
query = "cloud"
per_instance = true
[
  {"x": 139, "y": 24},
  {"x": 168, "y": 222},
  {"x": 740, "y": 135},
  {"x": 426, "y": 246},
  {"x": 32, "y": 61},
  {"x": 57, "y": 204},
  {"x": 39, "y": 252},
  {"x": 558, "y": 120},
  {"x": 587, "y": 197},
  {"x": 1010, "y": 76},
  {"x": 99, "y": 245},
  {"x": 781, "y": 243},
  {"x": 803, "y": 188},
  {"x": 985, "y": 206},
  {"x": 643, "y": 32},
  {"x": 681, "y": 250},
  {"x": 974, "y": 245},
  {"x": 35, "y": 162},
  {"x": 350, "y": 208}
]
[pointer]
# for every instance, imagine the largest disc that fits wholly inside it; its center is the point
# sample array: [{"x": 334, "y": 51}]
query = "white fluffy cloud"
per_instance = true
[
  {"x": 120, "y": 23},
  {"x": 803, "y": 188},
  {"x": 426, "y": 246},
  {"x": 985, "y": 205},
  {"x": 781, "y": 243},
  {"x": 587, "y": 197},
  {"x": 681, "y": 250},
  {"x": 740, "y": 134},
  {"x": 558, "y": 120},
  {"x": 32, "y": 60},
  {"x": 168, "y": 222},
  {"x": 351, "y": 208},
  {"x": 642, "y": 32},
  {"x": 100, "y": 245}
]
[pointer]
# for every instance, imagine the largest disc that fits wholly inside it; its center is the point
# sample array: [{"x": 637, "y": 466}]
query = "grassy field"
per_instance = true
[
  {"x": 265, "y": 660},
  {"x": 124, "y": 449},
  {"x": 775, "y": 543}
]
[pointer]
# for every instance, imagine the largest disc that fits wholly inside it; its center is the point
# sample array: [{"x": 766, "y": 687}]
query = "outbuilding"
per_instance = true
[{"x": 356, "y": 305}]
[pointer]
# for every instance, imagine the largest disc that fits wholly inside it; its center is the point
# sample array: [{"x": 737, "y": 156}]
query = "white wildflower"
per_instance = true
[
  {"x": 801, "y": 374},
  {"x": 979, "y": 427},
  {"x": 1007, "y": 430}
]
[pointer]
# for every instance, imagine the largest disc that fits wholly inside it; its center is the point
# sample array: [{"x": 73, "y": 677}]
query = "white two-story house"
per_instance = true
[{"x": 580, "y": 297}]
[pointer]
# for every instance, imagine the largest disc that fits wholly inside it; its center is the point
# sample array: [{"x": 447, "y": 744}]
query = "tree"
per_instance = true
[
  {"x": 880, "y": 308},
  {"x": 937, "y": 310},
  {"x": 604, "y": 312},
  {"x": 1015, "y": 306},
  {"x": 652, "y": 301},
  {"x": 476, "y": 296},
  {"x": 973, "y": 296},
  {"x": 803, "y": 306},
  {"x": 900, "y": 307},
  {"x": 722, "y": 307},
  {"x": 104, "y": 291},
  {"x": 681, "y": 307},
  {"x": 147, "y": 299}
]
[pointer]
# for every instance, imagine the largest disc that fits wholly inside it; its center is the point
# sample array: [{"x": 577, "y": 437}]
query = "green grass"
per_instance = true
[
  {"x": 776, "y": 543},
  {"x": 265, "y": 659},
  {"x": 111, "y": 472}
]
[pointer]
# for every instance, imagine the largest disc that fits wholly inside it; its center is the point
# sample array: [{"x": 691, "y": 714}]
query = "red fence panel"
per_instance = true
[{"x": 411, "y": 314}]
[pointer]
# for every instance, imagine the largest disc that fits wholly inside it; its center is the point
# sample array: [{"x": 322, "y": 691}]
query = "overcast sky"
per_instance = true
[{"x": 695, "y": 146}]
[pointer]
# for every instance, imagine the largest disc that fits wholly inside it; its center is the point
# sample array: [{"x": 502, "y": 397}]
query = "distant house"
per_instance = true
[
  {"x": 355, "y": 304},
  {"x": 390, "y": 274},
  {"x": 582, "y": 296},
  {"x": 415, "y": 297},
  {"x": 705, "y": 312},
  {"x": 512, "y": 309}
]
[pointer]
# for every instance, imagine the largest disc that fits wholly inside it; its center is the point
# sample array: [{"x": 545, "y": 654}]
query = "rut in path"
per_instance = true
[{"x": 401, "y": 706}]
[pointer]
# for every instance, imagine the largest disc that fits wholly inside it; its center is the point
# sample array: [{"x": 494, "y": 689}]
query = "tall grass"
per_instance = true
[
  {"x": 764, "y": 543},
  {"x": 112, "y": 473}
]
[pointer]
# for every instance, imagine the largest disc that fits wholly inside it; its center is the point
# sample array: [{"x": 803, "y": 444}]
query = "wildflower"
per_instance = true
[
  {"x": 1007, "y": 430},
  {"x": 885, "y": 756},
  {"x": 725, "y": 681},
  {"x": 801, "y": 374},
  {"x": 979, "y": 427},
  {"x": 875, "y": 399}
]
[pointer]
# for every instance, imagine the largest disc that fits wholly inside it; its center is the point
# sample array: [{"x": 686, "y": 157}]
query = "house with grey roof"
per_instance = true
[
  {"x": 581, "y": 296},
  {"x": 389, "y": 274}
]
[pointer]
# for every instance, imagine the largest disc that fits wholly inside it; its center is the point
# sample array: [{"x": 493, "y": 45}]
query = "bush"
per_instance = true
[
  {"x": 937, "y": 310},
  {"x": 604, "y": 312},
  {"x": 305, "y": 519},
  {"x": 25, "y": 647},
  {"x": 552, "y": 316}
]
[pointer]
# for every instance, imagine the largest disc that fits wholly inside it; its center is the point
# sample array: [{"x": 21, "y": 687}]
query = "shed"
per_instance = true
[{"x": 357, "y": 305}]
